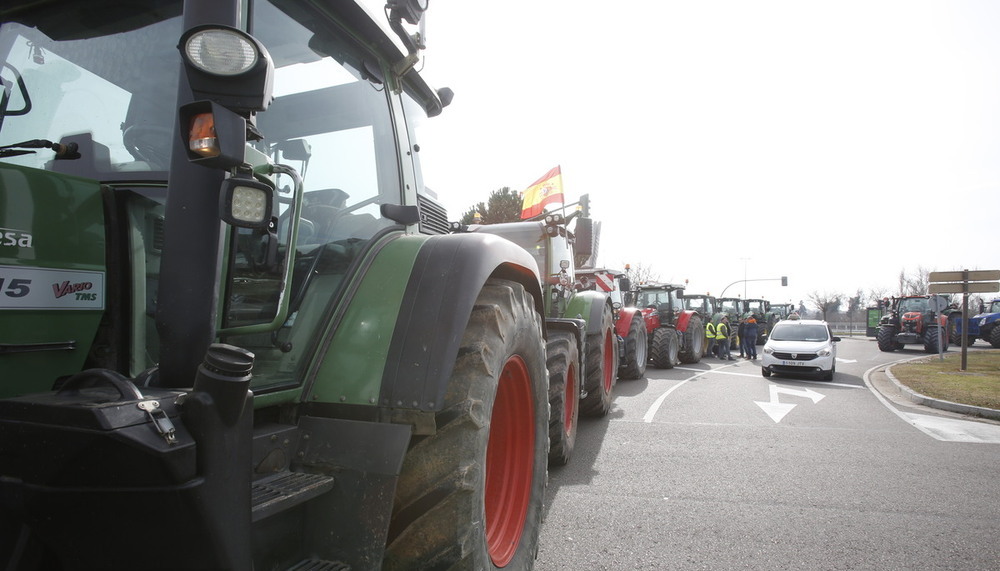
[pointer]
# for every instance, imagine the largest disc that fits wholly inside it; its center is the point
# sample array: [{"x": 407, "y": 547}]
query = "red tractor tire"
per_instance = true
[
  {"x": 563, "y": 358},
  {"x": 470, "y": 495},
  {"x": 602, "y": 368}
]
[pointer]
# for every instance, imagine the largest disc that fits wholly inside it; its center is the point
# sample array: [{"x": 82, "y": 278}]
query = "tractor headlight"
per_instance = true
[
  {"x": 229, "y": 67},
  {"x": 221, "y": 51},
  {"x": 246, "y": 203}
]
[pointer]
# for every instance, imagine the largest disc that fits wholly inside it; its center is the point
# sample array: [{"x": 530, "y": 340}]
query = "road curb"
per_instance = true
[{"x": 938, "y": 403}]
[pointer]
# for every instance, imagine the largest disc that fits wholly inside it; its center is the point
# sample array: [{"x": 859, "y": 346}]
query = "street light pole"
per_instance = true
[{"x": 745, "y": 277}]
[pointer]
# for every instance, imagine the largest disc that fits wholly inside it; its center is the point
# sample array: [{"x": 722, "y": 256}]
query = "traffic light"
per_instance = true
[
  {"x": 784, "y": 280},
  {"x": 585, "y": 205}
]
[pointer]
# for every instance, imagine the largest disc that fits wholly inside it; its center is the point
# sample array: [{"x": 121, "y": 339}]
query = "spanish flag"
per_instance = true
[{"x": 545, "y": 190}]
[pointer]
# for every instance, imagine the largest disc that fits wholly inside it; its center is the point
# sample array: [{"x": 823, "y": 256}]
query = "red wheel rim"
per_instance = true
[
  {"x": 608, "y": 361},
  {"x": 570, "y": 398},
  {"x": 510, "y": 457}
]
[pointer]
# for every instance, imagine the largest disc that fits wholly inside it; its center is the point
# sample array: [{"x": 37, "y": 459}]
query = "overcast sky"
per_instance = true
[{"x": 836, "y": 143}]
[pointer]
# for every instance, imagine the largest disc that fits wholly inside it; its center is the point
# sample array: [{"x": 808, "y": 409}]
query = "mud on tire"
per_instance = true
[
  {"x": 602, "y": 368},
  {"x": 491, "y": 442},
  {"x": 563, "y": 357}
]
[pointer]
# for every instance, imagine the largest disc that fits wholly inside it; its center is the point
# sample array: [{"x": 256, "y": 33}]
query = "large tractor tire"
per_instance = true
[
  {"x": 664, "y": 348},
  {"x": 636, "y": 355},
  {"x": 694, "y": 341},
  {"x": 994, "y": 337},
  {"x": 931, "y": 340},
  {"x": 602, "y": 368},
  {"x": 886, "y": 339},
  {"x": 470, "y": 495},
  {"x": 564, "y": 395}
]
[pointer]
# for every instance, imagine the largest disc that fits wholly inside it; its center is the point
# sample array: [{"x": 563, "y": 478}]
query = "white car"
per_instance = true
[{"x": 800, "y": 347}]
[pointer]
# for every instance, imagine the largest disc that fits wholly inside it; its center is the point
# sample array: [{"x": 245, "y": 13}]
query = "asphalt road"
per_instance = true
[{"x": 712, "y": 466}]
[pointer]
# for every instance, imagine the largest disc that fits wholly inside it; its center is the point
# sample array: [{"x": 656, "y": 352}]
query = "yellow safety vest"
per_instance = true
[
  {"x": 710, "y": 330},
  {"x": 722, "y": 331}
]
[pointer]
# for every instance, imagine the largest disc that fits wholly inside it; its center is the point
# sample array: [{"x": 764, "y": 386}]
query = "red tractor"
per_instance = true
[
  {"x": 915, "y": 319},
  {"x": 675, "y": 334}
]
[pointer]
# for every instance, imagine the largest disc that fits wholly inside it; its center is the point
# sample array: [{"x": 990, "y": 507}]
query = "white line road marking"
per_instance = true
[
  {"x": 648, "y": 417},
  {"x": 839, "y": 360},
  {"x": 777, "y": 410}
]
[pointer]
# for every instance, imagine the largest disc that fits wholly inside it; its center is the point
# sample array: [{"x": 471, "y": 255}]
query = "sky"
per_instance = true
[{"x": 837, "y": 143}]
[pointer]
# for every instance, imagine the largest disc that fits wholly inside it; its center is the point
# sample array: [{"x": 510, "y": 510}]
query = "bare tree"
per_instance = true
[
  {"x": 854, "y": 306},
  {"x": 919, "y": 282},
  {"x": 825, "y": 302},
  {"x": 639, "y": 273},
  {"x": 877, "y": 294}
]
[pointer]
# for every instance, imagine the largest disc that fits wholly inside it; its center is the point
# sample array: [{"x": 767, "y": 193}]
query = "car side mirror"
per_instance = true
[{"x": 835, "y": 339}]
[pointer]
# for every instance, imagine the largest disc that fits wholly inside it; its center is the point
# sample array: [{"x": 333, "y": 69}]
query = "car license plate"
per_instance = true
[{"x": 793, "y": 363}]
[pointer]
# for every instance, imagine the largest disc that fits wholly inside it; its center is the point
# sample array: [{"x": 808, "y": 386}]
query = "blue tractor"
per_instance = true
[{"x": 982, "y": 325}]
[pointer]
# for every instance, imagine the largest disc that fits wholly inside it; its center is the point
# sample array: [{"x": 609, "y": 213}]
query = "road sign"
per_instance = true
[
  {"x": 973, "y": 276},
  {"x": 976, "y": 287}
]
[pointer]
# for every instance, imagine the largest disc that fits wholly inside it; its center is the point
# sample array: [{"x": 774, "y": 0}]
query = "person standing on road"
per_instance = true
[
  {"x": 710, "y": 338},
  {"x": 722, "y": 338},
  {"x": 740, "y": 336},
  {"x": 750, "y": 331}
]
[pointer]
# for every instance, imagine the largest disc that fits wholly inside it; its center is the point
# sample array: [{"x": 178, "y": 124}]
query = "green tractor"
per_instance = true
[
  {"x": 583, "y": 348},
  {"x": 733, "y": 308},
  {"x": 761, "y": 310},
  {"x": 233, "y": 318}
]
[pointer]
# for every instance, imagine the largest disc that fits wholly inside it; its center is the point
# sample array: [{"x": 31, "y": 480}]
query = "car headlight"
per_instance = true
[
  {"x": 767, "y": 350},
  {"x": 824, "y": 352}
]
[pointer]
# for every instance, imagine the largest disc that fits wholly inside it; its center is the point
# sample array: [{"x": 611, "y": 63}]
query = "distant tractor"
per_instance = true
[
  {"x": 675, "y": 334},
  {"x": 981, "y": 326},
  {"x": 629, "y": 324},
  {"x": 782, "y": 310},
  {"x": 912, "y": 320},
  {"x": 761, "y": 310},
  {"x": 705, "y": 305},
  {"x": 733, "y": 308}
]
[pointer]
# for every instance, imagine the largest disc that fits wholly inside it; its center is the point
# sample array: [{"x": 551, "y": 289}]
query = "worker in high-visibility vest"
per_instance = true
[
  {"x": 722, "y": 338},
  {"x": 710, "y": 338}
]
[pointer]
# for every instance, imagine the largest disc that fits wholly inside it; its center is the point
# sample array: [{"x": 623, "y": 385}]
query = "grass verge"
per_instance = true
[{"x": 978, "y": 385}]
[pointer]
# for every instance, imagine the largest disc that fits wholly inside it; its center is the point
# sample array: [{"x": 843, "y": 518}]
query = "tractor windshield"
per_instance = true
[
  {"x": 656, "y": 298},
  {"x": 69, "y": 79},
  {"x": 911, "y": 304},
  {"x": 994, "y": 307}
]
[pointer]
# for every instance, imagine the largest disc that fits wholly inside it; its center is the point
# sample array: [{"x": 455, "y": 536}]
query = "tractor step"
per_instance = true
[
  {"x": 284, "y": 490},
  {"x": 317, "y": 565}
]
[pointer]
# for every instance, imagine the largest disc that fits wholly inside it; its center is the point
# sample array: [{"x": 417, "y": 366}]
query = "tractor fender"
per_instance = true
[
  {"x": 395, "y": 342},
  {"x": 624, "y": 322},
  {"x": 588, "y": 305},
  {"x": 448, "y": 274},
  {"x": 683, "y": 319}
]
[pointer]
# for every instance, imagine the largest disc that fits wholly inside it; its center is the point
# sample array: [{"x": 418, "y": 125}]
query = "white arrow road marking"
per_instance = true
[
  {"x": 777, "y": 410},
  {"x": 839, "y": 360}
]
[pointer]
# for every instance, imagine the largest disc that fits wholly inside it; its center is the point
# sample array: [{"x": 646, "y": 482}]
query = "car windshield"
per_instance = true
[{"x": 800, "y": 332}]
